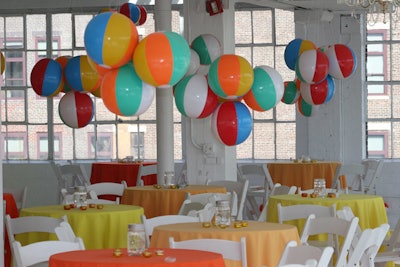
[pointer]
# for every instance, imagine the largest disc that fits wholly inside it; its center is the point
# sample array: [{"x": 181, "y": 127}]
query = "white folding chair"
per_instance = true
[
  {"x": 300, "y": 254},
  {"x": 19, "y": 195},
  {"x": 106, "y": 188},
  {"x": 338, "y": 228},
  {"x": 303, "y": 211},
  {"x": 372, "y": 175},
  {"x": 354, "y": 173},
  {"x": 240, "y": 188},
  {"x": 260, "y": 185},
  {"x": 309, "y": 263},
  {"x": 391, "y": 248},
  {"x": 145, "y": 170},
  {"x": 40, "y": 252},
  {"x": 232, "y": 250},
  {"x": 150, "y": 223},
  {"x": 278, "y": 189},
  {"x": 367, "y": 247}
]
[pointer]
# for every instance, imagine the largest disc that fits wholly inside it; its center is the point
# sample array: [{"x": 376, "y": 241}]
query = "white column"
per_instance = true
[{"x": 164, "y": 102}]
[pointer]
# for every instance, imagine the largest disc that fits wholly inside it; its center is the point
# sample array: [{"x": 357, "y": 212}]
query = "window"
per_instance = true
[
  {"x": 102, "y": 146},
  {"x": 43, "y": 146},
  {"x": 383, "y": 87},
  {"x": 42, "y": 46},
  {"x": 377, "y": 144},
  {"x": 261, "y": 36},
  {"x": 14, "y": 145},
  {"x": 137, "y": 141}
]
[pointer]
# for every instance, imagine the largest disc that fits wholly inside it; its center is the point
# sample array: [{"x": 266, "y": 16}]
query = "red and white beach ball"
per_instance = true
[
  {"x": 76, "y": 109},
  {"x": 312, "y": 66},
  {"x": 124, "y": 93},
  {"x": 194, "y": 98},
  {"x": 318, "y": 93},
  {"x": 267, "y": 89},
  {"x": 231, "y": 123},
  {"x": 342, "y": 61}
]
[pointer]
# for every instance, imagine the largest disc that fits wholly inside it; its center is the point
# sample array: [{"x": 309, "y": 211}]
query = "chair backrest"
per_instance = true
[
  {"x": 367, "y": 246},
  {"x": 28, "y": 224},
  {"x": 150, "y": 223},
  {"x": 40, "y": 252},
  {"x": 240, "y": 188},
  {"x": 145, "y": 170},
  {"x": 205, "y": 213},
  {"x": 75, "y": 172},
  {"x": 254, "y": 172},
  {"x": 232, "y": 250},
  {"x": 303, "y": 211},
  {"x": 19, "y": 195},
  {"x": 106, "y": 188},
  {"x": 393, "y": 241},
  {"x": 300, "y": 254},
  {"x": 279, "y": 189},
  {"x": 372, "y": 175},
  {"x": 354, "y": 172},
  {"x": 332, "y": 226}
]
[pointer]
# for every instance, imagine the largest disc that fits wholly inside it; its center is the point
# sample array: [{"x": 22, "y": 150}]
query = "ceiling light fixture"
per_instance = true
[{"x": 377, "y": 8}]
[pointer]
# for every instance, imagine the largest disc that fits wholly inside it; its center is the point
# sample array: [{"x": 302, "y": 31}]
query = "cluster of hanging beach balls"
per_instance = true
[{"x": 316, "y": 69}]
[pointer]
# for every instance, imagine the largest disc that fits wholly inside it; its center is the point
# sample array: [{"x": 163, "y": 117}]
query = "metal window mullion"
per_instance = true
[{"x": 50, "y": 103}]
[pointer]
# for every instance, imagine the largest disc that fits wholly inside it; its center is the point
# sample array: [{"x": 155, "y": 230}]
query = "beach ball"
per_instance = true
[
  {"x": 143, "y": 15},
  {"x": 97, "y": 92},
  {"x": 110, "y": 39},
  {"x": 312, "y": 66},
  {"x": 291, "y": 92},
  {"x": 161, "y": 59},
  {"x": 46, "y": 77},
  {"x": 342, "y": 61},
  {"x": 230, "y": 76},
  {"x": 194, "y": 63},
  {"x": 63, "y": 60},
  {"x": 267, "y": 89},
  {"x": 208, "y": 47},
  {"x": 319, "y": 93},
  {"x": 2, "y": 62},
  {"x": 124, "y": 93},
  {"x": 76, "y": 109},
  {"x": 131, "y": 11},
  {"x": 80, "y": 76},
  {"x": 294, "y": 49},
  {"x": 231, "y": 123},
  {"x": 194, "y": 98},
  {"x": 304, "y": 108}
]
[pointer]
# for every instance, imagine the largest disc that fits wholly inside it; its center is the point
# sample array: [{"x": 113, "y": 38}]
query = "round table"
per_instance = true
[
  {"x": 163, "y": 201},
  {"x": 105, "y": 258},
  {"x": 303, "y": 174},
  {"x": 99, "y": 228},
  {"x": 369, "y": 208},
  {"x": 265, "y": 241}
]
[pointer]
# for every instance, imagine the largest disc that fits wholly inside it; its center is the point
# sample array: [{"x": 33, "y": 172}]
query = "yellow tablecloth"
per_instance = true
[
  {"x": 265, "y": 241},
  {"x": 157, "y": 202},
  {"x": 99, "y": 228},
  {"x": 369, "y": 208},
  {"x": 303, "y": 174}
]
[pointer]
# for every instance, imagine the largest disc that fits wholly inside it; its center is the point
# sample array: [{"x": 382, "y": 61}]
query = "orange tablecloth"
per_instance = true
[
  {"x": 116, "y": 172},
  {"x": 12, "y": 210},
  {"x": 265, "y": 241},
  {"x": 157, "y": 202},
  {"x": 105, "y": 258},
  {"x": 370, "y": 209},
  {"x": 303, "y": 174},
  {"x": 99, "y": 228}
]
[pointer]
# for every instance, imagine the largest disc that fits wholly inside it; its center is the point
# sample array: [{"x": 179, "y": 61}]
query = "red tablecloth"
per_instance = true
[
  {"x": 116, "y": 172},
  {"x": 105, "y": 258},
  {"x": 12, "y": 210}
]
